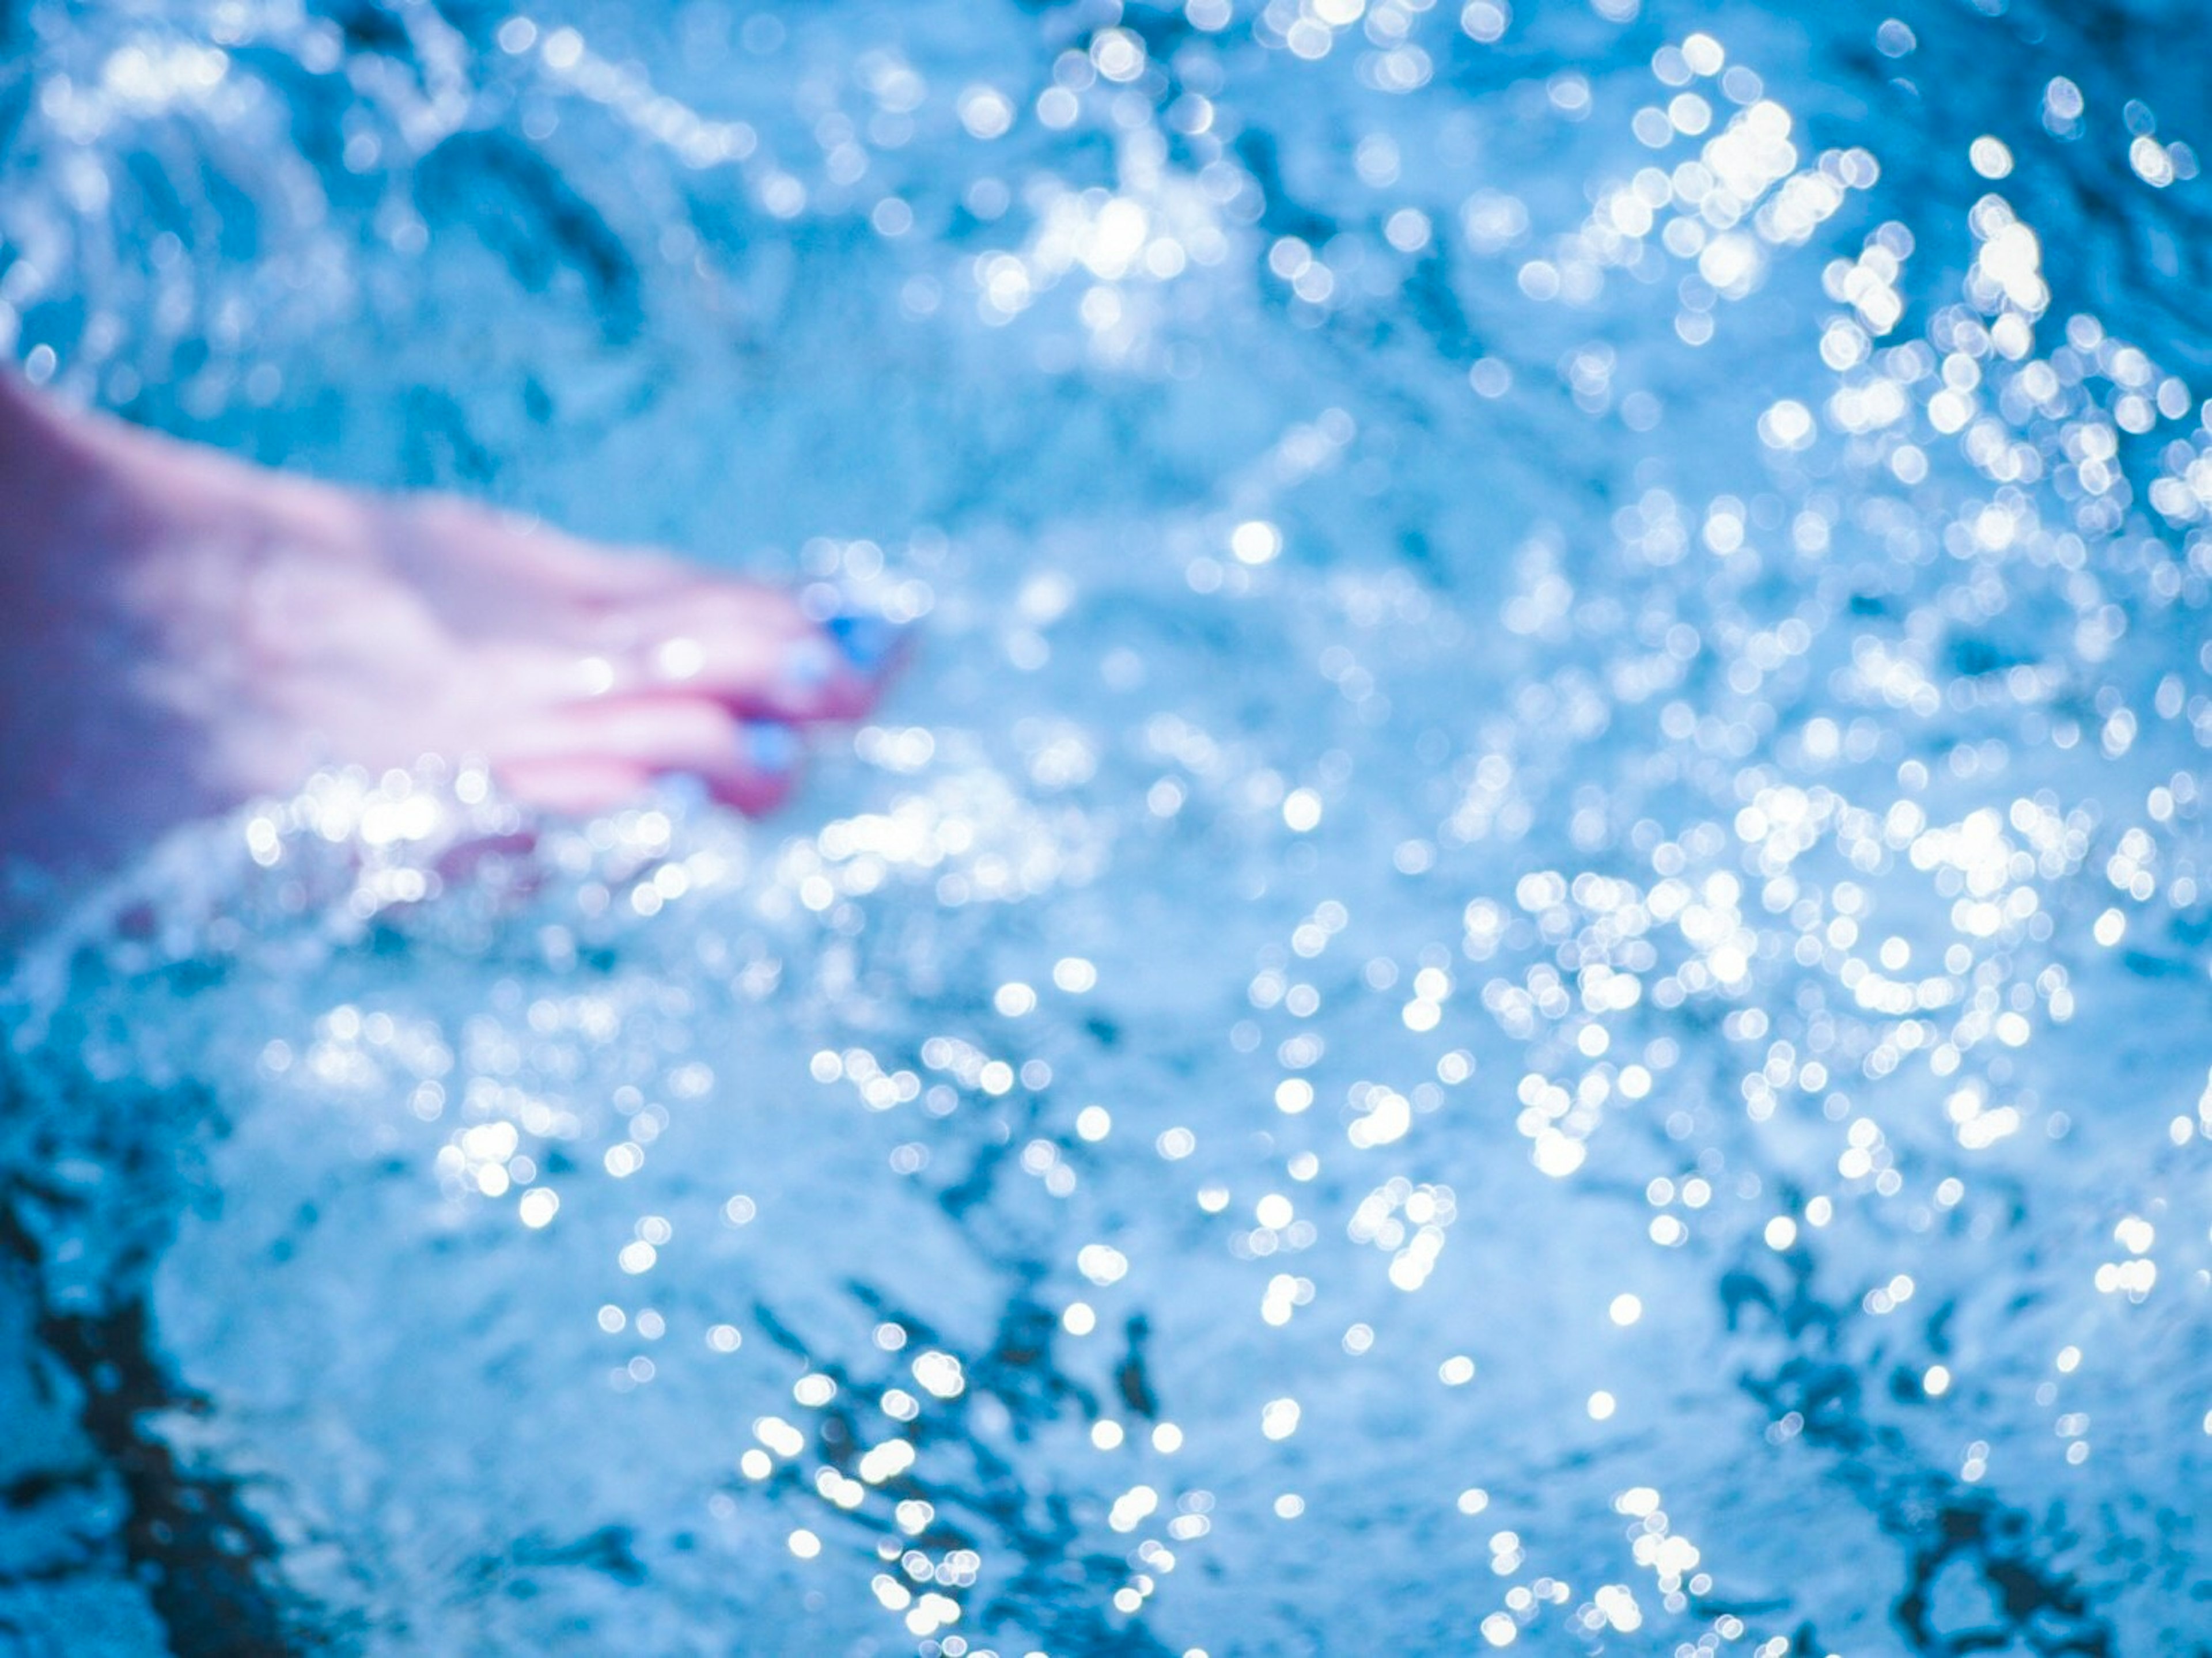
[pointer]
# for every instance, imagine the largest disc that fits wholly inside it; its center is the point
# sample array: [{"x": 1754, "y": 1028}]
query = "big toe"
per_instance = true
[{"x": 755, "y": 650}]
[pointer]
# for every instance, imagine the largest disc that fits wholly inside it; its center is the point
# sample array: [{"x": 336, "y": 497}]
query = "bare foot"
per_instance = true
[{"x": 179, "y": 632}]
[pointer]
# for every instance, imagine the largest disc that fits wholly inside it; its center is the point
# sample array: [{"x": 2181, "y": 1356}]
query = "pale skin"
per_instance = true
[{"x": 181, "y": 632}]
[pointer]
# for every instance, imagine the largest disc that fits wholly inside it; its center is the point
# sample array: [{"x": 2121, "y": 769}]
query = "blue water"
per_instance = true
[{"x": 1528, "y": 963}]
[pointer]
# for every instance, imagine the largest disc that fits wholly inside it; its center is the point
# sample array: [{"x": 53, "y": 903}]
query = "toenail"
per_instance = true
[
  {"x": 866, "y": 639},
  {"x": 770, "y": 749},
  {"x": 810, "y": 663},
  {"x": 683, "y": 791}
]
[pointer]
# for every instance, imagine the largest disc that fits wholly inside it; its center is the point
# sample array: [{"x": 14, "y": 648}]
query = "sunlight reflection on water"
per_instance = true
[{"x": 1527, "y": 963}]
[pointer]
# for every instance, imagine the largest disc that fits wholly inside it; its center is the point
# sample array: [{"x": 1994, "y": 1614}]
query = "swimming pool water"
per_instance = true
[{"x": 1527, "y": 962}]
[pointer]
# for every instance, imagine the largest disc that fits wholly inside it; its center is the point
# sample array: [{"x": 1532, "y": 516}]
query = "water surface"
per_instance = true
[{"x": 1527, "y": 963}]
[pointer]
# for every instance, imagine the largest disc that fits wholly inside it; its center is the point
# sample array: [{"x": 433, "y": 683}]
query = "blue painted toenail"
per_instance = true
[
  {"x": 682, "y": 791},
  {"x": 770, "y": 749},
  {"x": 867, "y": 639},
  {"x": 810, "y": 663}
]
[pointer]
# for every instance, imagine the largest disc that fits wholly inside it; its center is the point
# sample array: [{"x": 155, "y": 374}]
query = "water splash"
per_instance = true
[{"x": 1530, "y": 965}]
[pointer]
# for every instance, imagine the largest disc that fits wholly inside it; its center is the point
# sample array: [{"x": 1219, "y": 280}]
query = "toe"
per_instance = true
[
  {"x": 574, "y": 787},
  {"x": 598, "y": 755},
  {"x": 752, "y": 649},
  {"x": 638, "y": 622}
]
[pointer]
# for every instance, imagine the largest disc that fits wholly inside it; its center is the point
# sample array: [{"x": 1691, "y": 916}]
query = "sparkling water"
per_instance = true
[{"x": 1526, "y": 961}]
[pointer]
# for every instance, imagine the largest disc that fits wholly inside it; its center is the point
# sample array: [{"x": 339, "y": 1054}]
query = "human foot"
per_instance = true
[{"x": 180, "y": 631}]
